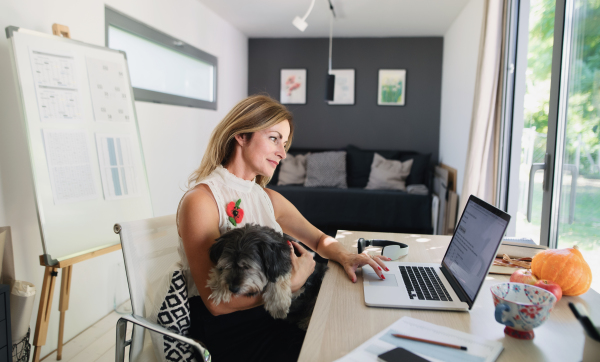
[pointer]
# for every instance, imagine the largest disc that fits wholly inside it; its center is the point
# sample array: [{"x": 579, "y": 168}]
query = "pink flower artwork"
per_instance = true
[{"x": 291, "y": 84}]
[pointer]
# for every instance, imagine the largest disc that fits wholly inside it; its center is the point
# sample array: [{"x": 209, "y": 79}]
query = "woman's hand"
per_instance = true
[
  {"x": 302, "y": 266},
  {"x": 351, "y": 262}
]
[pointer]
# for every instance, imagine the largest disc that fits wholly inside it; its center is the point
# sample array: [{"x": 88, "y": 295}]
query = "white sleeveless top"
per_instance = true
[{"x": 226, "y": 188}]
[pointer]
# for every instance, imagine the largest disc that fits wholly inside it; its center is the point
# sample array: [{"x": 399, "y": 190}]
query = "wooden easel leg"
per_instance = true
[
  {"x": 43, "y": 318},
  {"x": 63, "y": 305}
]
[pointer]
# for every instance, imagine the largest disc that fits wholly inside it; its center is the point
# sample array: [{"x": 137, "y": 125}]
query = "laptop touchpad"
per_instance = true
[{"x": 374, "y": 281}]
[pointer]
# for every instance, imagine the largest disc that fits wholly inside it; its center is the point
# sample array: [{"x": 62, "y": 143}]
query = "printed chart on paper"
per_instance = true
[
  {"x": 69, "y": 165},
  {"x": 109, "y": 91},
  {"x": 56, "y": 86},
  {"x": 119, "y": 178}
]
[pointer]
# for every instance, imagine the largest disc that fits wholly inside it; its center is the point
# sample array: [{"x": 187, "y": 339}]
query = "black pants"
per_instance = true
[{"x": 248, "y": 335}]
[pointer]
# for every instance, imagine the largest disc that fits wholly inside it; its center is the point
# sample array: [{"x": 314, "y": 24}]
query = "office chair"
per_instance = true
[{"x": 149, "y": 251}]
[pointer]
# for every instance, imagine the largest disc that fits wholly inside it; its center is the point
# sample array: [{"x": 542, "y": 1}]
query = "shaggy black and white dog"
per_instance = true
[{"x": 256, "y": 259}]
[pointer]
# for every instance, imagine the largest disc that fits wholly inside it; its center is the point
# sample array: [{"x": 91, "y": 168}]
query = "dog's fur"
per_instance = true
[{"x": 256, "y": 259}]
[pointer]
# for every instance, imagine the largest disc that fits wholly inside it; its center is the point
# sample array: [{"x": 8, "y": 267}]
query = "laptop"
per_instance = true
[{"x": 453, "y": 284}]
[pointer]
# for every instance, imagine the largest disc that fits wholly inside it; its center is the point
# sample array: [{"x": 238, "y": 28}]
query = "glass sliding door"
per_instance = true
[
  {"x": 553, "y": 181},
  {"x": 578, "y": 205},
  {"x": 535, "y": 41}
]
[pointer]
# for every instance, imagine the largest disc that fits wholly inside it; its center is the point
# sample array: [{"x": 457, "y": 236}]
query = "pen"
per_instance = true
[
  {"x": 428, "y": 341},
  {"x": 585, "y": 321}
]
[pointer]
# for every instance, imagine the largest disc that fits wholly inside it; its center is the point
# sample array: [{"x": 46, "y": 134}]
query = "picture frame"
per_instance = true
[
  {"x": 293, "y": 86},
  {"x": 343, "y": 93},
  {"x": 391, "y": 88}
]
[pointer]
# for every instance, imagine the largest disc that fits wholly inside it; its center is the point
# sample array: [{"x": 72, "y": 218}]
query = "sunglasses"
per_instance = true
[{"x": 392, "y": 249}]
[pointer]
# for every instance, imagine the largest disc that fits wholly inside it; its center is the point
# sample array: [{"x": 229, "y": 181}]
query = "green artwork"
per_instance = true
[
  {"x": 392, "y": 87},
  {"x": 392, "y": 93}
]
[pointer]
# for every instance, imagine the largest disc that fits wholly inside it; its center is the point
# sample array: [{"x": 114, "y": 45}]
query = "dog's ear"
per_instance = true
[
  {"x": 216, "y": 250},
  {"x": 276, "y": 259}
]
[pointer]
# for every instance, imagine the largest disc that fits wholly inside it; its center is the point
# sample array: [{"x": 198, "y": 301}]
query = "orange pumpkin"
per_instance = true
[{"x": 566, "y": 267}]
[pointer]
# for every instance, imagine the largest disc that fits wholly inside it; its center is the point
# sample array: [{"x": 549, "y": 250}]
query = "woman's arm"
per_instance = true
[
  {"x": 199, "y": 228},
  {"x": 293, "y": 223}
]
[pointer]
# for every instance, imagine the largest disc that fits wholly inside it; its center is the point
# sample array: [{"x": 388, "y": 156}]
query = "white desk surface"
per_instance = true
[{"x": 341, "y": 321}]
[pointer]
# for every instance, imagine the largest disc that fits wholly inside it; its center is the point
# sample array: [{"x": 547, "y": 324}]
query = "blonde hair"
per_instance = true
[{"x": 255, "y": 113}]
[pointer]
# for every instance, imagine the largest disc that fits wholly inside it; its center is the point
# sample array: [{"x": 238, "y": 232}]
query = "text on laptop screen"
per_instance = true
[{"x": 473, "y": 246}]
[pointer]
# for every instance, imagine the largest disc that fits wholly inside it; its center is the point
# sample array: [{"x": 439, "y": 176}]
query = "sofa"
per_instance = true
[{"x": 356, "y": 208}]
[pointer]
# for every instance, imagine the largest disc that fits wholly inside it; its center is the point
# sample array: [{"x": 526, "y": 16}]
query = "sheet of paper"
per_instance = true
[
  {"x": 478, "y": 348},
  {"x": 119, "y": 176},
  {"x": 56, "y": 85},
  {"x": 109, "y": 91},
  {"x": 69, "y": 165}
]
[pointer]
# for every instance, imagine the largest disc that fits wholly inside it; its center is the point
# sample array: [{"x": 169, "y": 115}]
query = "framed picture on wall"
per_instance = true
[
  {"x": 293, "y": 86},
  {"x": 343, "y": 92},
  {"x": 391, "y": 89}
]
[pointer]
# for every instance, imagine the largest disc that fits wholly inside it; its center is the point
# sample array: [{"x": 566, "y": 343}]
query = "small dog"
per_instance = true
[{"x": 256, "y": 259}]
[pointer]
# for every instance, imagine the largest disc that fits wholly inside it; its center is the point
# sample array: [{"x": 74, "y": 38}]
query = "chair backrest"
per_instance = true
[{"x": 149, "y": 250}]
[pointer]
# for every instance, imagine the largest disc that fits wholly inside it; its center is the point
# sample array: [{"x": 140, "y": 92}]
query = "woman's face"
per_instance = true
[{"x": 266, "y": 148}]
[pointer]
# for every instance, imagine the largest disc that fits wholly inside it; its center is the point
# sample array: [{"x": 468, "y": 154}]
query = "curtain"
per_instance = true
[{"x": 484, "y": 137}]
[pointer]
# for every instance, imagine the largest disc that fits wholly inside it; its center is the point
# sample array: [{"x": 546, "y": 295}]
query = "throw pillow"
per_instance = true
[
  {"x": 293, "y": 170},
  {"x": 326, "y": 169},
  {"x": 388, "y": 174}
]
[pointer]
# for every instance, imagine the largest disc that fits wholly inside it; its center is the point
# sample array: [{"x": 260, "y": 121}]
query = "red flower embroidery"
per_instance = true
[{"x": 234, "y": 212}]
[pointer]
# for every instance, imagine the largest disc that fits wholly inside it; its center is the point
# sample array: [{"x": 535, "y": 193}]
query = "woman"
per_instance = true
[{"x": 243, "y": 152}]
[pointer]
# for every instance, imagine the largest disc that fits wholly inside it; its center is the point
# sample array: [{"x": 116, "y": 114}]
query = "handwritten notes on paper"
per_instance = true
[
  {"x": 69, "y": 165},
  {"x": 119, "y": 179},
  {"x": 68, "y": 151},
  {"x": 109, "y": 91},
  {"x": 56, "y": 86}
]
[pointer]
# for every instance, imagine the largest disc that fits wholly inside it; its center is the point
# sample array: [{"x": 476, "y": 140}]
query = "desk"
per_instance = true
[{"x": 341, "y": 321}]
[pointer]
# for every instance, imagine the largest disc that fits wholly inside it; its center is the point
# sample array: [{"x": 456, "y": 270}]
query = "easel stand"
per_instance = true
[{"x": 50, "y": 274}]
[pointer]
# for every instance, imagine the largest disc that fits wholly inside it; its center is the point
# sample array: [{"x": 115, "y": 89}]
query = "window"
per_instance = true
[
  {"x": 163, "y": 69},
  {"x": 553, "y": 186}
]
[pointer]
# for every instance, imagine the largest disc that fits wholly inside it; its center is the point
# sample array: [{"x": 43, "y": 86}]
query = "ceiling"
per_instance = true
[{"x": 354, "y": 18}]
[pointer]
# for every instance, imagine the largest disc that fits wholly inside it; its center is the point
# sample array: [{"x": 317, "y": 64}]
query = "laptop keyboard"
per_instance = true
[{"x": 423, "y": 283}]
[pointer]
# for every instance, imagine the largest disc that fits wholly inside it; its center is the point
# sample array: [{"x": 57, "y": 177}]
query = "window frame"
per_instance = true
[{"x": 123, "y": 22}]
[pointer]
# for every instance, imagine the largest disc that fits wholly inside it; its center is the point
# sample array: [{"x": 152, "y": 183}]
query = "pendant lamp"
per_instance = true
[{"x": 330, "y": 85}]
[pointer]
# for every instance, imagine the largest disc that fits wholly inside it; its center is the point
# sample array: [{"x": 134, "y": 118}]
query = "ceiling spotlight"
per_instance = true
[{"x": 300, "y": 23}]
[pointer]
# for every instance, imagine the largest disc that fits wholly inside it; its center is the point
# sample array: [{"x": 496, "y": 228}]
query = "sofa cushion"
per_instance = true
[
  {"x": 358, "y": 165},
  {"x": 326, "y": 169},
  {"x": 388, "y": 174},
  {"x": 292, "y": 170}
]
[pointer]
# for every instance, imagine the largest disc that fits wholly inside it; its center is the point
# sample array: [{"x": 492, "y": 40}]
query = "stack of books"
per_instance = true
[{"x": 523, "y": 249}]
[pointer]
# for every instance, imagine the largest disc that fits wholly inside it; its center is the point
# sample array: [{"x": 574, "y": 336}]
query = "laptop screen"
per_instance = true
[{"x": 474, "y": 244}]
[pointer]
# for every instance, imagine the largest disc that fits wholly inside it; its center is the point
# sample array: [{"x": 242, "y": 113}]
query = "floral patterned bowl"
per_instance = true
[{"x": 521, "y": 307}]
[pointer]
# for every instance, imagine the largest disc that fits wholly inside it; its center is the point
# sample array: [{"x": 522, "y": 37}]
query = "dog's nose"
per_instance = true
[{"x": 234, "y": 289}]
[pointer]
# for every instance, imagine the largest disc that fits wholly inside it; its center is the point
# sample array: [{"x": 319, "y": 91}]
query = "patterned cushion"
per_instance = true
[
  {"x": 174, "y": 315},
  {"x": 326, "y": 169}
]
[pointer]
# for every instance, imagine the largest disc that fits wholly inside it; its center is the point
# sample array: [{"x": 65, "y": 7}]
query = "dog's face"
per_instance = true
[{"x": 247, "y": 258}]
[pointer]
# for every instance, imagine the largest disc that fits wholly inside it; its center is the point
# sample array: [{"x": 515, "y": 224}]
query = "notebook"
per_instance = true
[{"x": 479, "y": 349}]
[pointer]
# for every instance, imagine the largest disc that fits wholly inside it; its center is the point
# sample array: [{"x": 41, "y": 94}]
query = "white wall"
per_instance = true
[
  {"x": 459, "y": 68},
  {"x": 173, "y": 138}
]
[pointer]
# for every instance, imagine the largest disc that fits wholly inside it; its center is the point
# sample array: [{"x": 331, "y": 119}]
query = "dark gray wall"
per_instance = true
[{"x": 414, "y": 126}]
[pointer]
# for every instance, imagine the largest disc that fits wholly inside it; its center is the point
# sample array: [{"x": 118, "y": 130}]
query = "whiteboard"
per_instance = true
[{"x": 83, "y": 138}]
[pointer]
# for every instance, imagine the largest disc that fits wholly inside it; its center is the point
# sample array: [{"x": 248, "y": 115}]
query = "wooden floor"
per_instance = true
[{"x": 95, "y": 344}]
